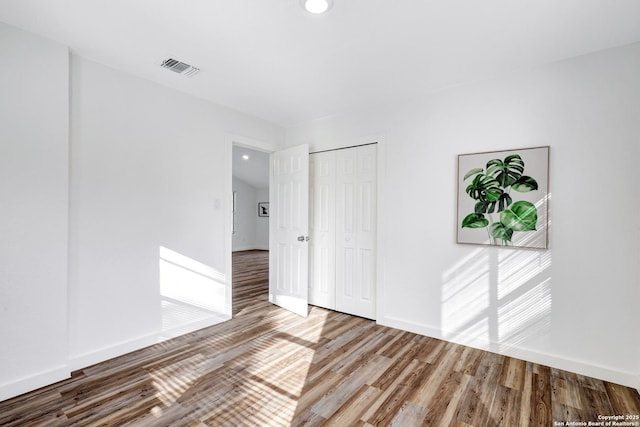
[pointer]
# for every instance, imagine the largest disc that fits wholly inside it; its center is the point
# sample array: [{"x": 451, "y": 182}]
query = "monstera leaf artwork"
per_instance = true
[{"x": 505, "y": 195}]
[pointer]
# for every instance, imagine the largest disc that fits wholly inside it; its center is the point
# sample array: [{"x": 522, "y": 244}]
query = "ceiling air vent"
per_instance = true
[{"x": 179, "y": 67}]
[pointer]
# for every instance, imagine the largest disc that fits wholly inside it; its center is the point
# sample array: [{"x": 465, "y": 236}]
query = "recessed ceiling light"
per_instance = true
[
  {"x": 245, "y": 157},
  {"x": 317, "y": 6}
]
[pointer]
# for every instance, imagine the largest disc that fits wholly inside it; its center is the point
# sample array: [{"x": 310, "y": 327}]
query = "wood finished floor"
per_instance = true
[{"x": 268, "y": 367}]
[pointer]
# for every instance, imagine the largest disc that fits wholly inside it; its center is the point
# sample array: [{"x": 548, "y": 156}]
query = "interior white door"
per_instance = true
[
  {"x": 289, "y": 229},
  {"x": 356, "y": 231},
  {"x": 322, "y": 246}
]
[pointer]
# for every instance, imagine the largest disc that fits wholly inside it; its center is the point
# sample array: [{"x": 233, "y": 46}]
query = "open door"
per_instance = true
[{"x": 289, "y": 229}]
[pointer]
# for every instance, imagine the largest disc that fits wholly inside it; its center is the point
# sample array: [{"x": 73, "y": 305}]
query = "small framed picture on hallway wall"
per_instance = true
[
  {"x": 503, "y": 198},
  {"x": 263, "y": 209}
]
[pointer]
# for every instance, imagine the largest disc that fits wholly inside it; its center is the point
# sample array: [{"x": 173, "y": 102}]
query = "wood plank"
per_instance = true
[
  {"x": 444, "y": 403},
  {"x": 352, "y": 410},
  {"x": 526, "y": 396},
  {"x": 512, "y": 374},
  {"x": 566, "y": 392},
  {"x": 410, "y": 415},
  {"x": 476, "y": 405},
  {"x": 569, "y": 413},
  {"x": 381, "y": 407},
  {"x": 595, "y": 402},
  {"x": 624, "y": 400},
  {"x": 333, "y": 400},
  {"x": 315, "y": 391},
  {"x": 505, "y": 409},
  {"x": 447, "y": 407},
  {"x": 469, "y": 361},
  {"x": 434, "y": 376},
  {"x": 541, "y": 409},
  {"x": 397, "y": 401}
]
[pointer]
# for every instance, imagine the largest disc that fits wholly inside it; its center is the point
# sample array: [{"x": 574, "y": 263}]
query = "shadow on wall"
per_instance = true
[
  {"x": 498, "y": 299},
  {"x": 192, "y": 294}
]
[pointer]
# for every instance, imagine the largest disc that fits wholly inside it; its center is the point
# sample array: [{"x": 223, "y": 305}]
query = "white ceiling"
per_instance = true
[
  {"x": 254, "y": 170},
  {"x": 271, "y": 59}
]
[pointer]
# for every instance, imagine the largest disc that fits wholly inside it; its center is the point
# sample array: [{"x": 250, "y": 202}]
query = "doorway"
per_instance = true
[
  {"x": 278, "y": 288},
  {"x": 250, "y": 225}
]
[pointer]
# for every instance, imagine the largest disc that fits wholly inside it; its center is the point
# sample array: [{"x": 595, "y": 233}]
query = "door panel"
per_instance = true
[
  {"x": 355, "y": 231},
  {"x": 289, "y": 199},
  {"x": 322, "y": 251}
]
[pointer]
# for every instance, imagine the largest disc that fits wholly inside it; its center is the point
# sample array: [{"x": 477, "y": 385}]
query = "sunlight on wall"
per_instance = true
[
  {"x": 524, "y": 296},
  {"x": 465, "y": 298},
  {"x": 498, "y": 299},
  {"x": 516, "y": 268},
  {"x": 525, "y": 316},
  {"x": 190, "y": 292}
]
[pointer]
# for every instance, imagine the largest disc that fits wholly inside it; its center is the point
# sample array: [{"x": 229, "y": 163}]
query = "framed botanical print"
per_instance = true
[{"x": 503, "y": 198}]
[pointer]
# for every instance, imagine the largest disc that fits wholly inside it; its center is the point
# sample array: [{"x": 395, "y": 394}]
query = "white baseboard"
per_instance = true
[
  {"x": 583, "y": 368},
  {"x": 105, "y": 353},
  {"x": 191, "y": 327},
  {"x": 250, "y": 248},
  {"x": 62, "y": 372},
  {"x": 33, "y": 382},
  {"x": 100, "y": 355}
]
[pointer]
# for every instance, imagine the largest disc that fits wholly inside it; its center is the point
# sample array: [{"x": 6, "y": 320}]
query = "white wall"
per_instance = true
[
  {"x": 115, "y": 211},
  {"x": 574, "y": 306},
  {"x": 252, "y": 231},
  {"x": 262, "y": 222},
  {"x": 147, "y": 172},
  {"x": 244, "y": 237},
  {"x": 34, "y": 106}
]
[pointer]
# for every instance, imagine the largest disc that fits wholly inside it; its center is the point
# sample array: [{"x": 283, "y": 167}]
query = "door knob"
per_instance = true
[{"x": 300, "y": 238}]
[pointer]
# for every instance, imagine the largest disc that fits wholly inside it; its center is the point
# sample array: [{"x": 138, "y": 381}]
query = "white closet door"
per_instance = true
[
  {"x": 322, "y": 246},
  {"x": 355, "y": 230}
]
